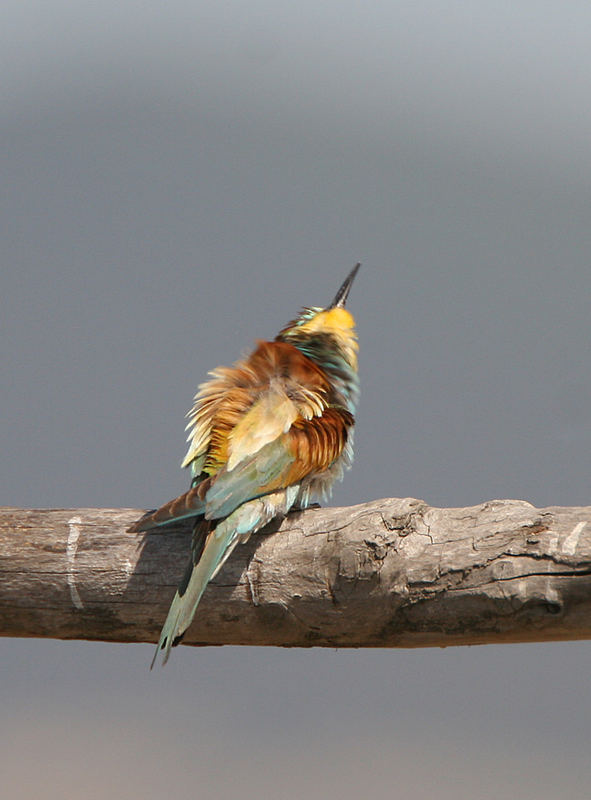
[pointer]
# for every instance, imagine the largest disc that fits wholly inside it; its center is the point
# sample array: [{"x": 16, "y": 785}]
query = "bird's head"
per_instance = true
[{"x": 323, "y": 333}]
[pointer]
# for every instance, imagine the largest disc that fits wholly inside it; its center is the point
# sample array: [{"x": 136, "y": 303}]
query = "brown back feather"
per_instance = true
[{"x": 234, "y": 390}]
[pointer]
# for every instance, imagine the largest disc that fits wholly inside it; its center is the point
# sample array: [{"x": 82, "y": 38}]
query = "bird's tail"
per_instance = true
[
  {"x": 216, "y": 546},
  {"x": 213, "y": 541}
]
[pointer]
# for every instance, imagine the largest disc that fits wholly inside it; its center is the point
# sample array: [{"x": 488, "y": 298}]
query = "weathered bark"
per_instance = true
[{"x": 391, "y": 573}]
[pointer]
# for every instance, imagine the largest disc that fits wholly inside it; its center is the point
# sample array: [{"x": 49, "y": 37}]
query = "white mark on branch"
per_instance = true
[
  {"x": 254, "y": 595},
  {"x": 71, "y": 549},
  {"x": 569, "y": 546}
]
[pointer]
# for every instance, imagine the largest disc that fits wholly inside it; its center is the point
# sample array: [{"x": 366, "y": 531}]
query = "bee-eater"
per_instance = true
[{"x": 270, "y": 434}]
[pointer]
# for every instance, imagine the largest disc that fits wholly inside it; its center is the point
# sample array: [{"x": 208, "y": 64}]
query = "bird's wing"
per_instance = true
[
  {"x": 245, "y": 410},
  {"x": 308, "y": 448}
]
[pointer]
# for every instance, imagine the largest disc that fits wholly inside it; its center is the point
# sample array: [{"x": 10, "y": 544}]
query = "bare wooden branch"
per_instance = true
[{"x": 390, "y": 573}]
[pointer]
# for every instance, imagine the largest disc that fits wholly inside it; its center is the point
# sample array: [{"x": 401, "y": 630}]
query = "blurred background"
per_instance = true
[{"x": 177, "y": 180}]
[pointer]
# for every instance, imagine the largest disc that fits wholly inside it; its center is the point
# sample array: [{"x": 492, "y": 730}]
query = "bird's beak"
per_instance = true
[{"x": 342, "y": 294}]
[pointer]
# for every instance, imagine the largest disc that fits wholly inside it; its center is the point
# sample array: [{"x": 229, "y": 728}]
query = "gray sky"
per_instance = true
[{"x": 177, "y": 180}]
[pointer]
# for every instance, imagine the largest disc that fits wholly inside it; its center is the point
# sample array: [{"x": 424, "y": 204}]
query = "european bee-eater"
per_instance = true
[{"x": 270, "y": 434}]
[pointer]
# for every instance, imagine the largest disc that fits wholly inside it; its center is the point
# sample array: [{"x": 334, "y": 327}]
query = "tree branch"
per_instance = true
[{"x": 390, "y": 573}]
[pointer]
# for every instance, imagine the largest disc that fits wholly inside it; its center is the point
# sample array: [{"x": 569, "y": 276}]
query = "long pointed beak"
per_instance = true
[{"x": 343, "y": 293}]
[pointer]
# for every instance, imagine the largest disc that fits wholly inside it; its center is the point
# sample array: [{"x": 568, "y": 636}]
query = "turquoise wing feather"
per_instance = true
[{"x": 253, "y": 476}]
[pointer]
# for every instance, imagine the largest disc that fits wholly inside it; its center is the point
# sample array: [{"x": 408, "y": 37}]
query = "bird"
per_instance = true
[{"x": 269, "y": 435}]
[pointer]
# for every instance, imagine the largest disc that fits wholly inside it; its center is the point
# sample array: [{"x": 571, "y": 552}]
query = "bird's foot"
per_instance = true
[{"x": 299, "y": 509}]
